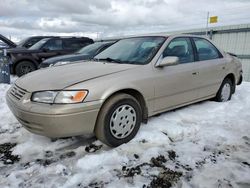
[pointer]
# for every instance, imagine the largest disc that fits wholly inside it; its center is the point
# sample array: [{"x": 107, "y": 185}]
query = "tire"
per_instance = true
[
  {"x": 123, "y": 112},
  {"x": 225, "y": 92},
  {"x": 24, "y": 67}
]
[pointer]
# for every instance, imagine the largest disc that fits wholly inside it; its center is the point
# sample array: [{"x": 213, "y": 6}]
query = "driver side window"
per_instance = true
[
  {"x": 181, "y": 48},
  {"x": 55, "y": 44}
]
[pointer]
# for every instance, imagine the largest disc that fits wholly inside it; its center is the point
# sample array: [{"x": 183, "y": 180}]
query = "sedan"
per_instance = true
[{"x": 123, "y": 86}]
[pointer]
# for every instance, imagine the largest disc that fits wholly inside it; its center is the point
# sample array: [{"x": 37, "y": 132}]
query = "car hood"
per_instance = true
[
  {"x": 10, "y": 43},
  {"x": 60, "y": 77},
  {"x": 70, "y": 57}
]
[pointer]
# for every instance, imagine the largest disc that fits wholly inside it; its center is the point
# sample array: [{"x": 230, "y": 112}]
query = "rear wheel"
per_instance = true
[
  {"x": 24, "y": 67},
  {"x": 225, "y": 92},
  {"x": 119, "y": 120}
]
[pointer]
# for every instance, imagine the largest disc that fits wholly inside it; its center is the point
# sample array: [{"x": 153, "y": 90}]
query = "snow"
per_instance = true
[{"x": 211, "y": 142}]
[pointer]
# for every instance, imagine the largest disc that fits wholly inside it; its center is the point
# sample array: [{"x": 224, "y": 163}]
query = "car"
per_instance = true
[
  {"x": 124, "y": 85},
  {"x": 30, "y": 41},
  {"x": 27, "y": 60},
  {"x": 6, "y": 43},
  {"x": 86, "y": 53}
]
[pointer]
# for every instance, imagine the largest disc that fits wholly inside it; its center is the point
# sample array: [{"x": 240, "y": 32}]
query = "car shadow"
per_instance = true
[{"x": 79, "y": 141}]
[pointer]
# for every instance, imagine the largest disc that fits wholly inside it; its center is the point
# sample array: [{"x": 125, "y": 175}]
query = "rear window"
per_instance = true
[{"x": 206, "y": 50}]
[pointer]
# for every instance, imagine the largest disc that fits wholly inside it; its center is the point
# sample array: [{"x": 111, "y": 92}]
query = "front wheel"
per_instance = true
[
  {"x": 225, "y": 92},
  {"x": 24, "y": 67},
  {"x": 119, "y": 120}
]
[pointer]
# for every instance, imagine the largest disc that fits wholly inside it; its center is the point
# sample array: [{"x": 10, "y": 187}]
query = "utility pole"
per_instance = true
[{"x": 207, "y": 23}]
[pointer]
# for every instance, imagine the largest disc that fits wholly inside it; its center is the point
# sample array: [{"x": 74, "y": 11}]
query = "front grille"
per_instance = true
[{"x": 17, "y": 92}]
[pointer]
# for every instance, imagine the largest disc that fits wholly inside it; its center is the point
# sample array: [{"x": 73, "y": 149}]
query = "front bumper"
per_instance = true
[{"x": 54, "y": 120}]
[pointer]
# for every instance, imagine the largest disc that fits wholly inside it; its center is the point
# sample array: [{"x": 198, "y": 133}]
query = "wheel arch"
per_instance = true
[
  {"x": 232, "y": 77},
  {"x": 137, "y": 95},
  {"x": 20, "y": 60}
]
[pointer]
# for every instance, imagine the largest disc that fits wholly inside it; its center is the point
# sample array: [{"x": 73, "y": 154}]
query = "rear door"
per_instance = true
[
  {"x": 176, "y": 85},
  {"x": 212, "y": 67}
]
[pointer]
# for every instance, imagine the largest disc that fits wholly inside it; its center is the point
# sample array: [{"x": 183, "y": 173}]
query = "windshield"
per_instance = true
[
  {"x": 92, "y": 48},
  {"x": 138, "y": 50},
  {"x": 39, "y": 44},
  {"x": 21, "y": 42}
]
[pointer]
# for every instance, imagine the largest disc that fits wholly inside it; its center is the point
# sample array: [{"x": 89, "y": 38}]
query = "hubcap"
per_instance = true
[
  {"x": 122, "y": 121},
  {"x": 26, "y": 69},
  {"x": 225, "y": 92}
]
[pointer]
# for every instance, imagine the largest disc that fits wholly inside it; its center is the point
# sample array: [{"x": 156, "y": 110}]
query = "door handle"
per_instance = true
[{"x": 195, "y": 73}]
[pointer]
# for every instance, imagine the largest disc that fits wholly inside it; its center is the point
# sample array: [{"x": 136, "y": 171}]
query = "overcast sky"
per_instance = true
[{"x": 22, "y": 18}]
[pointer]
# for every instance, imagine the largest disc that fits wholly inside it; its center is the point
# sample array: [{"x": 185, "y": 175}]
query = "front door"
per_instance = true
[
  {"x": 51, "y": 48},
  {"x": 177, "y": 84}
]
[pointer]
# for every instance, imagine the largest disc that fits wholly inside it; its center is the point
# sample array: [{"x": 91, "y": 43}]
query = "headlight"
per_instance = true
[
  {"x": 44, "y": 96},
  {"x": 59, "y": 97},
  {"x": 62, "y": 63},
  {"x": 67, "y": 97}
]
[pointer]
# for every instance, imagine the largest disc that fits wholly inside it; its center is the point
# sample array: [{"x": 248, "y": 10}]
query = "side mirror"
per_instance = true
[{"x": 168, "y": 61}]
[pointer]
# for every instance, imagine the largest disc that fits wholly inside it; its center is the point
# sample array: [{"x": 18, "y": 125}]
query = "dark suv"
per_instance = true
[{"x": 27, "y": 60}]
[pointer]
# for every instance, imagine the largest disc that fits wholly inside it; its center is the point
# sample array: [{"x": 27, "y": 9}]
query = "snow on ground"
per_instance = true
[{"x": 202, "y": 145}]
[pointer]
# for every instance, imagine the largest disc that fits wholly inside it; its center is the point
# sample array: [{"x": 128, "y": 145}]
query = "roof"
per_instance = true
[{"x": 148, "y": 35}]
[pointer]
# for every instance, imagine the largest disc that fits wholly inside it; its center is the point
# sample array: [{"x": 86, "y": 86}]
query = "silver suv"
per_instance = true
[{"x": 125, "y": 84}]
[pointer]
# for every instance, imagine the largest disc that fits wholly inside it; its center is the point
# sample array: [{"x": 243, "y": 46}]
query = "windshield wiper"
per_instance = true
[{"x": 108, "y": 59}]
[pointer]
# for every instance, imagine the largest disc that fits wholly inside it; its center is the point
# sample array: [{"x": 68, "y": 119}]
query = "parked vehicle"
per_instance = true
[
  {"x": 28, "y": 60},
  {"x": 6, "y": 43},
  {"x": 132, "y": 80},
  {"x": 86, "y": 53}
]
